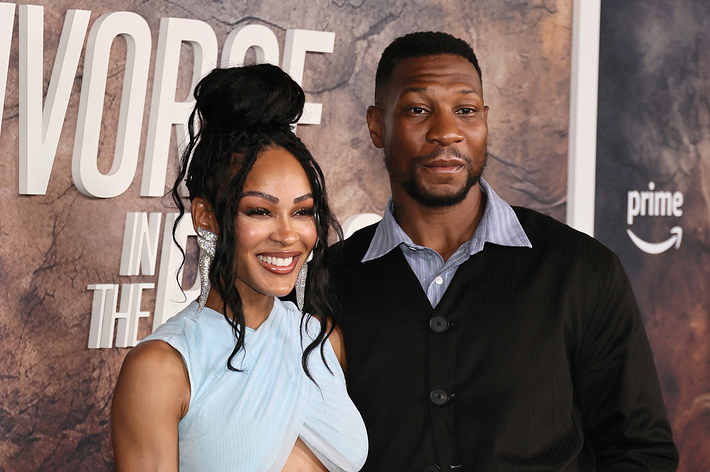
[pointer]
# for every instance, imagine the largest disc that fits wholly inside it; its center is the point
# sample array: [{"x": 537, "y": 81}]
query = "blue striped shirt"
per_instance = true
[{"x": 499, "y": 225}]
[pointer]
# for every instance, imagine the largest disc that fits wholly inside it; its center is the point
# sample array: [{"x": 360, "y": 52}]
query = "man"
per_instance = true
[{"x": 481, "y": 337}]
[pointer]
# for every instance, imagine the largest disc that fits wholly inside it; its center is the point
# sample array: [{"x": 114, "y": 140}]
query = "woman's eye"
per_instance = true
[
  {"x": 307, "y": 211},
  {"x": 257, "y": 211}
]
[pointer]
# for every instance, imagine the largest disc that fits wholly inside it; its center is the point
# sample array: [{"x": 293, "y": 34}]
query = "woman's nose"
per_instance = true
[{"x": 284, "y": 232}]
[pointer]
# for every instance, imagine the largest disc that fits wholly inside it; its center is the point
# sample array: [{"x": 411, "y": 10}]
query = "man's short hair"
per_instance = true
[{"x": 420, "y": 44}]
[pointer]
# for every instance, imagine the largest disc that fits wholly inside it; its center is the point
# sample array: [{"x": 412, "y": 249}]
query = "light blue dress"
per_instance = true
[{"x": 250, "y": 420}]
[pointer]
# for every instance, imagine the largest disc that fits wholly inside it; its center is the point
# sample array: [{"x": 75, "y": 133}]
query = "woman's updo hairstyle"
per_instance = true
[
  {"x": 239, "y": 112},
  {"x": 262, "y": 96},
  {"x": 236, "y": 107}
]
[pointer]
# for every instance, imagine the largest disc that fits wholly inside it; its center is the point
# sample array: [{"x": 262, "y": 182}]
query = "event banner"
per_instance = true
[
  {"x": 94, "y": 111},
  {"x": 653, "y": 192},
  {"x": 96, "y": 97}
]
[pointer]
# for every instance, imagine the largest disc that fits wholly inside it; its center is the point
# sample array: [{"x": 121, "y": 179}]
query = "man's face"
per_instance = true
[{"x": 433, "y": 127}]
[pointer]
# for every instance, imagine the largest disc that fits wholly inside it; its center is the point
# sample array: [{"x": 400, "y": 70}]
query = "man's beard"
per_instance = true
[{"x": 429, "y": 199}]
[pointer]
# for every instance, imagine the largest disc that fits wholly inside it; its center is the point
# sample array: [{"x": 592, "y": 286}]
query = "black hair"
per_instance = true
[
  {"x": 419, "y": 44},
  {"x": 239, "y": 112}
]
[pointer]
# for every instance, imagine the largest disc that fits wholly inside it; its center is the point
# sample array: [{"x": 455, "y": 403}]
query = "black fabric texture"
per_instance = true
[{"x": 545, "y": 361}]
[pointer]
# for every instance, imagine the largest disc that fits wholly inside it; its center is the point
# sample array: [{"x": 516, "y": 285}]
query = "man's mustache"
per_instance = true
[{"x": 443, "y": 152}]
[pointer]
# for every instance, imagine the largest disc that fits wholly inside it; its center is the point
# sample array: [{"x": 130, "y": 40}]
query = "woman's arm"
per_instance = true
[{"x": 152, "y": 395}]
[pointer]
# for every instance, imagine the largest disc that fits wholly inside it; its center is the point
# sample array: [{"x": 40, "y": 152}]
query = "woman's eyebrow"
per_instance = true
[
  {"x": 302, "y": 198},
  {"x": 265, "y": 196}
]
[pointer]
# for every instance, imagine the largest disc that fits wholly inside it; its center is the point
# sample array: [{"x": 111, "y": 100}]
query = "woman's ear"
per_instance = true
[{"x": 203, "y": 216}]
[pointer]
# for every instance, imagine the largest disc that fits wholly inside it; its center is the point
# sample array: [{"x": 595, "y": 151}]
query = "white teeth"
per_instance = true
[{"x": 276, "y": 261}]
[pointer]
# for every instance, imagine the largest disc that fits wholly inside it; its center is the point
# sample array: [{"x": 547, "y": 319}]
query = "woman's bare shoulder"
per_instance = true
[
  {"x": 152, "y": 395},
  {"x": 156, "y": 370},
  {"x": 153, "y": 354}
]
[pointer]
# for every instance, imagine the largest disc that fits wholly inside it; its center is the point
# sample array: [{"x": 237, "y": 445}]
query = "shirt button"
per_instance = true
[
  {"x": 439, "y": 397},
  {"x": 439, "y": 324},
  {"x": 439, "y": 281},
  {"x": 431, "y": 468}
]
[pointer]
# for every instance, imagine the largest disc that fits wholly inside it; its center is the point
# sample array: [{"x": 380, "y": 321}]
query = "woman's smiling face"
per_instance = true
[{"x": 275, "y": 227}]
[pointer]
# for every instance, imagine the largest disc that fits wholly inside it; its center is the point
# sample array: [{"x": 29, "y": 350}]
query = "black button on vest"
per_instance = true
[
  {"x": 439, "y": 397},
  {"x": 439, "y": 324},
  {"x": 431, "y": 468}
]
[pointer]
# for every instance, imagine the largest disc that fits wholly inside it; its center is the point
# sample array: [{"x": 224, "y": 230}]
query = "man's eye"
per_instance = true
[
  {"x": 467, "y": 111},
  {"x": 417, "y": 110}
]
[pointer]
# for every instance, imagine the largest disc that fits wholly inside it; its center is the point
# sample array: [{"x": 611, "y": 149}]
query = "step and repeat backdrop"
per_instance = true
[
  {"x": 653, "y": 191},
  {"x": 96, "y": 96}
]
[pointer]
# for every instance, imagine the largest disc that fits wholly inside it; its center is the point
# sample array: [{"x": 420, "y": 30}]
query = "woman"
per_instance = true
[{"x": 230, "y": 384}]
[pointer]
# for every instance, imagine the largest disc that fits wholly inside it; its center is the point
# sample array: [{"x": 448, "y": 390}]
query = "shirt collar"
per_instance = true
[{"x": 499, "y": 225}]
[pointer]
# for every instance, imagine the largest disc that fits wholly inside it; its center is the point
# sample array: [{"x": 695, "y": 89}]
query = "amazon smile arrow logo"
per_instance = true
[
  {"x": 654, "y": 203},
  {"x": 658, "y": 248}
]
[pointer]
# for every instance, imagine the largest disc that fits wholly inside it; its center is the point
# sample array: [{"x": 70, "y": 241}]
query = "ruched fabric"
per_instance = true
[{"x": 250, "y": 420}]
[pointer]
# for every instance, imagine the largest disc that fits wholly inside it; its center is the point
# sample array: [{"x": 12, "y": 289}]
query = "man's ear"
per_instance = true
[
  {"x": 376, "y": 126},
  {"x": 203, "y": 216}
]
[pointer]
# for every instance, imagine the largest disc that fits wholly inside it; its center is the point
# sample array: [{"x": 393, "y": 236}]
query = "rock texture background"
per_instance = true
[
  {"x": 55, "y": 394},
  {"x": 654, "y": 125}
]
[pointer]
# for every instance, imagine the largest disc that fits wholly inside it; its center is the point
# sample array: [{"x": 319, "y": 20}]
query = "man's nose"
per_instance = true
[{"x": 444, "y": 129}]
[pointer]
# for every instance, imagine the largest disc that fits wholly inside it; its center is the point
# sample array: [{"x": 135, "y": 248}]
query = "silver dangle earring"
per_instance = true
[
  {"x": 301, "y": 286},
  {"x": 207, "y": 241},
  {"x": 301, "y": 282}
]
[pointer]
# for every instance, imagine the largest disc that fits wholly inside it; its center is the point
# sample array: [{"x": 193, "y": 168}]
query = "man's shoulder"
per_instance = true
[
  {"x": 540, "y": 226},
  {"x": 550, "y": 236}
]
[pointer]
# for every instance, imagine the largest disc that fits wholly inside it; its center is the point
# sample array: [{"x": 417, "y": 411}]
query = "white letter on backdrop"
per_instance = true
[
  {"x": 101, "y": 293},
  {"x": 40, "y": 129},
  {"x": 7, "y": 19},
  {"x": 140, "y": 243},
  {"x": 107, "y": 314},
  {"x": 261, "y": 38},
  {"x": 169, "y": 299},
  {"x": 85, "y": 171},
  {"x": 164, "y": 110},
  {"x": 298, "y": 42}
]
